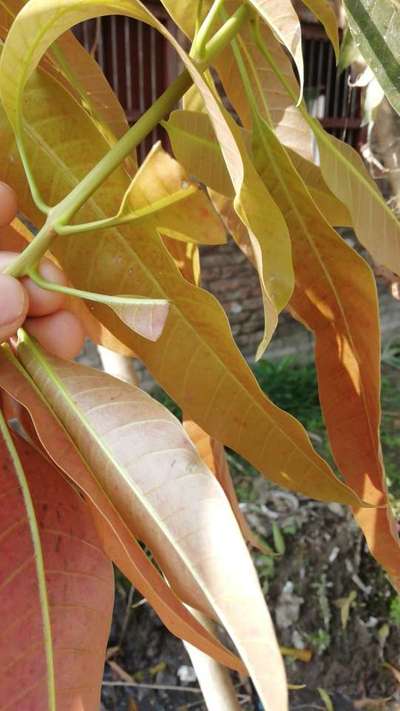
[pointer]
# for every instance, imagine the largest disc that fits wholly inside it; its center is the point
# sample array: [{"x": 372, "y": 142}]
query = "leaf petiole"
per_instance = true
[
  {"x": 120, "y": 300},
  {"x": 124, "y": 216}
]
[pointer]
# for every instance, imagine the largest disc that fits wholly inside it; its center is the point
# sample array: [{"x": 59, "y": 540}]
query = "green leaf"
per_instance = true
[{"x": 375, "y": 25}]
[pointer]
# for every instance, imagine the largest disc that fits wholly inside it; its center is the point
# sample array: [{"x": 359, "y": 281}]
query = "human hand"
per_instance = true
[{"x": 42, "y": 313}]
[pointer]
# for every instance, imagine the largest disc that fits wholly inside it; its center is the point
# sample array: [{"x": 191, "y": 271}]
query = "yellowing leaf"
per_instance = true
[
  {"x": 374, "y": 222},
  {"x": 147, "y": 466},
  {"x": 254, "y": 205},
  {"x": 285, "y": 24},
  {"x": 213, "y": 454},
  {"x": 324, "y": 12},
  {"x": 291, "y": 127},
  {"x": 184, "y": 210},
  {"x": 193, "y": 142},
  {"x": 342, "y": 311},
  {"x": 117, "y": 539},
  {"x": 195, "y": 359},
  {"x": 345, "y": 174},
  {"x": 146, "y": 319},
  {"x": 56, "y": 594},
  {"x": 195, "y": 146}
]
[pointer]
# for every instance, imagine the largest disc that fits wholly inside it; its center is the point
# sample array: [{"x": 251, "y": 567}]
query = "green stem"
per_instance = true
[
  {"x": 33, "y": 252},
  {"x": 123, "y": 219},
  {"x": 198, "y": 50},
  {"x": 91, "y": 295},
  {"x": 145, "y": 124},
  {"x": 39, "y": 561}
]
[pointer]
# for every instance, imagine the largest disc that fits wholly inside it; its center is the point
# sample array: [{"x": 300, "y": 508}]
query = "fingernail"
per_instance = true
[{"x": 12, "y": 300}]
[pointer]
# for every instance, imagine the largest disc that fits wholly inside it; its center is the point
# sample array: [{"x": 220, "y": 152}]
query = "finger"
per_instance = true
[
  {"x": 8, "y": 204},
  {"x": 41, "y": 301},
  {"x": 13, "y": 306},
  {"x": 60, "y": 333}
]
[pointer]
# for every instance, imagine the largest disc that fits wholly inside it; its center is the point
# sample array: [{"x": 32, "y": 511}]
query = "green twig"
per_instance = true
[
  {"x": 198, "y": 50},
  {"x": 93, "y": 296}
]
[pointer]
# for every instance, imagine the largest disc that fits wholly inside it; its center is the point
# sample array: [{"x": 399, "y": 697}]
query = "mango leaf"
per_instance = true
[
  {"x": 291, "y": 127},
  {"x": 194, "y": 144},
  {"x": 146, "y": 317},
  {"x": 117, "y": 539},
  {"x": 56, "y": 596},
  {"x": 254, "y": 205},
  {"x": 283, "y": 20},
  {"x": 344, "y": 317},
  {"x": 324, "y": 12},
  {"x": 81, "y": 75},
  {"x": 146, "y": 465},
  {"x": 213, "y": 454},
  {"x": 345, "y": 174},
  {"x": 375, "y": 26},
  {"x": 185, "y": 212},
  {"x": 195, "y": 360},
  {"x": 375, "y": 224}
]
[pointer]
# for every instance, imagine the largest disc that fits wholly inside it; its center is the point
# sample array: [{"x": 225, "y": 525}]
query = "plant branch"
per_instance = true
[
  {"x": 39, "y": 561},
  {"x": 198, "y": 50},
  {"x": 145, "y": 124}
]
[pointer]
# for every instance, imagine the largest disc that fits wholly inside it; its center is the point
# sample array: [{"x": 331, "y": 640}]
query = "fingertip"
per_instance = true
[
  {"x": 41, "y": 301},
  {"x": 61, "y": 333},
  {"x": 8, "y": 204}
]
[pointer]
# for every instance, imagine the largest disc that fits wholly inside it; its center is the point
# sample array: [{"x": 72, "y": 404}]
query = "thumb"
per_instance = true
[{"x": 13, "y": 306}]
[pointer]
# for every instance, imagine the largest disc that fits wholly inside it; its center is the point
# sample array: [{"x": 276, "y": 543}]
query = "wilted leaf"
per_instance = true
[
  {"x": 145, "y": 463},
  {"x": 375, "y": 25},
  {"x": 56, "y": 618},
  {"x": 344, "y": 604},
  {"x": 117, "y": 539}
]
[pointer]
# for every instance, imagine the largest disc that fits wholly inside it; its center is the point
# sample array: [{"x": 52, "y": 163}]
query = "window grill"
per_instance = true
[{"x": 139, "y": 64}]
